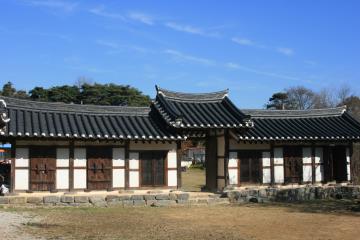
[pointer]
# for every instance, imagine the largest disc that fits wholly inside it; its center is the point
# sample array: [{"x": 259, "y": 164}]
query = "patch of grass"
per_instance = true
[{"x": 193, "y": 180}]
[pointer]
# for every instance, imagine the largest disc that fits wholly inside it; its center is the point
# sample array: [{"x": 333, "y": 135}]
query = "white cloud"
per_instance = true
[
  {"x": 285, "y": 51},
  {"x": 67, "y": 6},
  {"x": 243, "y": 41},
  {"x": 260, "y": 72},
  {"x": 107, "y": 44},
  {"x": 141, "y": 17},
  {"x": 100, "y": 11},
  {"x": 189, "y": 58},
  {"x": 184, "y": 28}
]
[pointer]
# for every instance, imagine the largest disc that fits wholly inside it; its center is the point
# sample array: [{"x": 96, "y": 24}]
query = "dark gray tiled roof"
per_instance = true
[
  {"x": 205, "y": 110},
  {"x": 40, "y": 119},
  {"x": 317, "y": 124}
]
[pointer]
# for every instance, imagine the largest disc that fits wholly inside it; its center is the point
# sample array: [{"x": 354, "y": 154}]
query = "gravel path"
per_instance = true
[{"x": 11, "y": 225}]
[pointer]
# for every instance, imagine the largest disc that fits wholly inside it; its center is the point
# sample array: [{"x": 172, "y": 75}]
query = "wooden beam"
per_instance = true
[
  {"x": 12, "y": 157},
  {"x": 71, "y": 166},
  {"x": 226, "y": 157},
  {"x": 178, "y": 161},
  {"x": 272, "y": 171},
  {"x": 127, "y": 145},
  {"x": 313, "y": 172}
]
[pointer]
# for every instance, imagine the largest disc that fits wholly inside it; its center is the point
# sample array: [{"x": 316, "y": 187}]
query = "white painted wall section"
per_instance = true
[
  {"x": 118, "y": 178},
  {"x": 319, "y": 167},
  {"x": 22, "y": 157},
  {"x": 79, "y": 178},
  {"x": 80, "y": 157},
  {"x": 266, "y": 167},
  {"x": 62, "y": 157},
  {"x": 348, "y": 171},
  {"x": 307, "y": 169},
  {"x": 279, "y": 169},
  {"x": 172, "y": 178},
  {"x": 21, "y": 179},
  {"x": 62, "y": 178},
  {"x": 233, "y": 168},
  {"x": 172, "y": 163},
  {"x": 134, "y": 169}
]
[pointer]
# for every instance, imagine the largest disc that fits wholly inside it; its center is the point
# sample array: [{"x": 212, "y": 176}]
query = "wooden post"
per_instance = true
[
  {"x": 272, "y": 171},
  {"x": 178, "y": 161},
  {"x": 71, "y": 166},
  {"x": 226, "y": 157},
  {"x": 12, "y": 174},
  {"x": 127, "y": 144},
  {"x": 313, "y": 172}
]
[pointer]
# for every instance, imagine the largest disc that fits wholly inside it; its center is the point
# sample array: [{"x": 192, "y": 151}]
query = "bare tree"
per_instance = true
[
  {"x": 343, "y": 93},
  {"x": 300, "y": 97},
  {"x": 324, "y": 99}
]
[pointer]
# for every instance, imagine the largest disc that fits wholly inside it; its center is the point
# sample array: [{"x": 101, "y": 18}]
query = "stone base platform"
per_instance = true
[{"x": 293, "y": 194}]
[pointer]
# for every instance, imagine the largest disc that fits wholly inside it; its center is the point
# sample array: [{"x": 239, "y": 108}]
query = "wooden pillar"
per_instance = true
[
  {"x": 127, "y": 145},
  {"x": 272, "y": 171},
  {"x": 71, "y": 166},
  {"x": 313, "y": 172},
  {"x": 178, "y": 162},
  {"x": 12, "y": 174},
  {"x": 226, "y": 157}
]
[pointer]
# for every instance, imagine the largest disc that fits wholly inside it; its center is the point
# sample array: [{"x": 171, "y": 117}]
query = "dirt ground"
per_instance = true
[
  {"x": 192, "y": 180},
  {"x": 317, "y": 220}
]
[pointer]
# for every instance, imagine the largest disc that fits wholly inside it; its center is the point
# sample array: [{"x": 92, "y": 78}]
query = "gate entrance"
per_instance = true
[
  {"x": 42, "y": 168},
  {"x": 99, "y": 168}
]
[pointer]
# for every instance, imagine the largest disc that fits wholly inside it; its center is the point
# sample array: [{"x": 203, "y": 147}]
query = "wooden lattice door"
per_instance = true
[
  {"x": 153, "y": 168},
  {"x": 42, "y": 168},
  {"x": 293, "y": 164},
  {"x": 99, "y": 168}
]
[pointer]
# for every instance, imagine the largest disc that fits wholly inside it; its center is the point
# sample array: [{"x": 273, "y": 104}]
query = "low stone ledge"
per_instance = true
[
  {"x": 81, "y": 199},
  {"x": 51, "y": 199},
  {"x": 137, "y": 197},
  {"x": 35, "y": 200},
  {"x": 4, "y": 200},
  {"x": 17, "y": 200},
  {"x": 162, "y": 197},
  {"x": 67, "y": 199}
]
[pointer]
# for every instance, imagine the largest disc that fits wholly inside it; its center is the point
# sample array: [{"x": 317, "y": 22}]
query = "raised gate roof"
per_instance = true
[{"x": 199, "y": 110}]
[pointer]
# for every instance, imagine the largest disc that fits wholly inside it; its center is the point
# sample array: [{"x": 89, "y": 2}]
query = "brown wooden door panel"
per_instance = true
[
  {"x": 152, "y": 168},
  {"x": 42, "y": 168},
  {"x": 293, "y": 164},
  {"x": 250, "y": 168},
  {"x": 99, "y": 168},
  {"x": 339, "y": 163}
]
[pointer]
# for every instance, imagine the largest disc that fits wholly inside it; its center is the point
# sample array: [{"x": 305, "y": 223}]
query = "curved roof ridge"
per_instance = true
[
  {"x": 318, "y": 112},
  {"x": 71, "y": 107},
  {"x": 211, "y": 96}
]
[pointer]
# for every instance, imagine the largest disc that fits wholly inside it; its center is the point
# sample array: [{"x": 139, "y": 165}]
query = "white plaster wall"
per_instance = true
[
  {"x": 80, "y": 157},
  {"x": 151, "y": 146},
  {"x": 172, "y": 178},
  {"x": 266, "y": 163},
  {"x": 348, "y": 164},
  {"x": 118, "y": 157},
  {"x": 319, "y": 169},
  {"x": 134, "y": 178},
  {"x": 306, "y": 159},
  {"x": 21, "y": 179},
  {"x": 266, "y": 159},
  {"x": 234, "y": 145},
  {"x": 62, "y": 179},
  {"x": 233, "y": 159},
  {"x": 22, "y": 157},
  {"x": 171, "y": 159},
  {"x": 220, "y": 168},
  {"x": 118, "y": 178},
  {"x": 134, "y": 165},
  {"x": 278, "y": 170},
  {"x": 62, "y": 157},
  {"x": 134, "y": 160},
  {"x": 79, "y": 178},
  {"x": 266, "y": 175},
  {"x": 233, "y": 176}
]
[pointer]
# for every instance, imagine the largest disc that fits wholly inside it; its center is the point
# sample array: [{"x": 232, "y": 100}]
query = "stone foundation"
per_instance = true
[
  {"x": 131, "y": 200},
  {"x": 294, "y": 194}
]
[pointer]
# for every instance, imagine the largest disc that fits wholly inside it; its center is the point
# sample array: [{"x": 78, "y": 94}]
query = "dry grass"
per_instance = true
[
  {"x": 253, "y": 221},
  {"x": 193, "y": 180}
]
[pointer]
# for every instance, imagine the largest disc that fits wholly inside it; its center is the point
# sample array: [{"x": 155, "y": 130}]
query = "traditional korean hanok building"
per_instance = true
[{"x": 69, "y": 147}]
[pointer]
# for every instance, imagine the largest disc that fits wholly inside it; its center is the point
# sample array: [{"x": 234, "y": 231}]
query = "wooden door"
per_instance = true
[
  {"x": 42, "y": 168},
  {"x": 152, "y": 168},
  {"x": 293, "y": 164},
  {"x": 250, "y": 167},
  {"x": 339, "y": 163},
  {"x": 99, "y": 168}
]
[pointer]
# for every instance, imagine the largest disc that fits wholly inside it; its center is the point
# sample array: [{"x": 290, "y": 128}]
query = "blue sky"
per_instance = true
[{"x": 254, "y": 48}]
